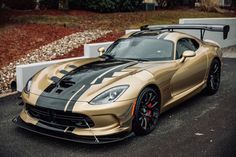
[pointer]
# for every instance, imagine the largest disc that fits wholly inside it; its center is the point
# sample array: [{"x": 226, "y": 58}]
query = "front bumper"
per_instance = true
[
  {"x": 111, "y": 122},
  {"x": 70, "y": 136}
]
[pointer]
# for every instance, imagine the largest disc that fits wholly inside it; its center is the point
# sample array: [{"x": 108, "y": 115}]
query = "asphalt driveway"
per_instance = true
[{"x": 201, "y": 126}]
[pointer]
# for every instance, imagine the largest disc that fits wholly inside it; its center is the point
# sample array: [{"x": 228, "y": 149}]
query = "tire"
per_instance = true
[
  {"x": 213, "y": 80},
  {"x": 146, "y": 112}
]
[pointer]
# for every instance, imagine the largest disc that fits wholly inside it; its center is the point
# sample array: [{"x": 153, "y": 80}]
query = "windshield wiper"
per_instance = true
[
  {"x": 107, "y": 56},
  {"x": 135, "y": 59}
]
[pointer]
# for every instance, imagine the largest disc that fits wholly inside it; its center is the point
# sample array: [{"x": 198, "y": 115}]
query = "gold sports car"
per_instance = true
[{"x": 124, "y": 90}]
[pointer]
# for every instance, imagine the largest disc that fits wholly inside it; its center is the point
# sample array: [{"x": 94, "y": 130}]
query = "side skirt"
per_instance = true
[{"x": 183, "y": 96}]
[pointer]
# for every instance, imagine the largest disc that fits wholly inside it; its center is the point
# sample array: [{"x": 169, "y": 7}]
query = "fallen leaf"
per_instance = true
[{"x": 198, "y": 134}]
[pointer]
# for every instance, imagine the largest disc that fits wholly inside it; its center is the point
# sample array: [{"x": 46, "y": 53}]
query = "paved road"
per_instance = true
[{"x": 214, "y": 118}]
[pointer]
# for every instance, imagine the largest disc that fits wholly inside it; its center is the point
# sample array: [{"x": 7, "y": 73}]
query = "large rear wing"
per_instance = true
[{"x": 201, "y": 27}]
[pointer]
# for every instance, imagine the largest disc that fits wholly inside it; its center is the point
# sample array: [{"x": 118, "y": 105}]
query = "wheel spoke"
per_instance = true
[
  {"x": 154, "y": 105},
  {"x": 142, "y": 121},
  {"x": 145, "y": 97},
  {"x": 142, "y": 114},
  {"x": 154, "y": 97},
  {"x": 145, "y": 123},
  {"x": 212, "y": 81},
  {"x": 149, "y": 98},
  {"x": 216, "y": 67}
]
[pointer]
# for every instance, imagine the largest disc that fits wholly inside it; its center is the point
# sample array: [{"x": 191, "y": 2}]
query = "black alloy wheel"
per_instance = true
[
  {"x": 147, "y": 111},
  {"x": 213, "y": 82}
]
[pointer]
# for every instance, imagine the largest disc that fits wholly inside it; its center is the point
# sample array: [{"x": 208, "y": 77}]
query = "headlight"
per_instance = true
[
  {"x": 28, "y": 86},
  {"x": 109, "y": 96}
]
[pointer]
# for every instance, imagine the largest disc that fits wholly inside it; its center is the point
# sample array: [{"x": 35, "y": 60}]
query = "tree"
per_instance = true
[
  {"x": 234, "y": 4},
  {"x": 37, "y": 5},
  {"x": 63, "y": 4}
]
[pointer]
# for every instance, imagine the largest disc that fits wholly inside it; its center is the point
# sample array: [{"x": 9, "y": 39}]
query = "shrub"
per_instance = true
[
  {"x": 108, "y": 5},
  {"x": 209, "y": 5},
  {"x": 130, "y": 5},
  {"x": 49, "y": 4},
  {"x": 76, "y": 4},
  {"x": 101, "y": 5},
  {"x": 234, "y": 5},
  {"x": 21, "y": 4},
  {"x": 1, "y": 1}
]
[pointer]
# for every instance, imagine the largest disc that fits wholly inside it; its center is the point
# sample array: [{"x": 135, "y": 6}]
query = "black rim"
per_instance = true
[
  {"x": 215, "y": 76},
  {"x": 148, "y": 110}
]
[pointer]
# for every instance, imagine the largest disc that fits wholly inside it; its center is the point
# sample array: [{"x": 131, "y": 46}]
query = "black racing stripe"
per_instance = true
[
  {"x": 163, "y": 35},
  {"x": 70, "y": 83},
  {"x": 108, "y": 75},
  {"x": 51, "y": 102},
  {"x": 72, "y": 103}
]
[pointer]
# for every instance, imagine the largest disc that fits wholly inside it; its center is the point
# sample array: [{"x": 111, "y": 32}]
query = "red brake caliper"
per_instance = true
[{"x": 149, "y": 112}]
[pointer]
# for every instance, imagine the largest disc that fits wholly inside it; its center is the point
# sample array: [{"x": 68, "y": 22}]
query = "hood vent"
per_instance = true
[{"x": 66, "y": 83}]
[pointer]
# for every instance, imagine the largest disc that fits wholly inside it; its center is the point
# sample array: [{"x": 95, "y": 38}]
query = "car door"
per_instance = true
[{"x": 191, "y": 72}]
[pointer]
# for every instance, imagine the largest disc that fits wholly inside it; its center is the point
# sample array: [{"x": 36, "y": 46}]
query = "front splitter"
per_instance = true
[{"x": 72, "y": 137}]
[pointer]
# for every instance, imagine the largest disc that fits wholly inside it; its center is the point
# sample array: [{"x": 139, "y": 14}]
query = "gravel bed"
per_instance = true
[{"x": 47, "y": 53}]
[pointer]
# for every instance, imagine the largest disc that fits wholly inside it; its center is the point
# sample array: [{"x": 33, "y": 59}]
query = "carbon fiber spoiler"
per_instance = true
[{"x": 201, "y": 27}]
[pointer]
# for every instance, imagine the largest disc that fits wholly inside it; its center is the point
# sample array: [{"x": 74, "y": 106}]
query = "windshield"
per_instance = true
[{"x": 141, "y": 48}]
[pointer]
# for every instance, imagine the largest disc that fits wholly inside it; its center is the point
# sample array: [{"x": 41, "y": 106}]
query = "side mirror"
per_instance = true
[
  {"x": 186, "y": 54},
  {"x": 101, "y": 50}
]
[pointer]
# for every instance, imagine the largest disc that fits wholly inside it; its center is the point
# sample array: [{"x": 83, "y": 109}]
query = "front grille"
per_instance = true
[{"x": 59, "y": 118}]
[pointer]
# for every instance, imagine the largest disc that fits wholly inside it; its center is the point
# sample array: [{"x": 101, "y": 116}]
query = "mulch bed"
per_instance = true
[
  {"x": 78, "y": 52},
  {"x": 17, "y": 40}
]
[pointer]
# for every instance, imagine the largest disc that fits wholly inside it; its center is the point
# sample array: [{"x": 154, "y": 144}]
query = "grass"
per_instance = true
[{"x": 118, "y": 21}]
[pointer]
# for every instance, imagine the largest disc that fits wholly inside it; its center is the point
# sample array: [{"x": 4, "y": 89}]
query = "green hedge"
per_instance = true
[
  {"x": 49, "y": 4},
  {"x": 234, "y": 4},
  {"x": 21, "y": 4},
  {"x": 93, "y": 5},
  {"x": 76, "y": 4},
  {"x": 106, "y": 5}
]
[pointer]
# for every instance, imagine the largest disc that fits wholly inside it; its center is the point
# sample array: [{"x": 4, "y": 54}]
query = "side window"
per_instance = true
[
  {"x": 194, "y": 44},
  {"x": 185, "y": 44},
  {"x": 182, "y": 45}
]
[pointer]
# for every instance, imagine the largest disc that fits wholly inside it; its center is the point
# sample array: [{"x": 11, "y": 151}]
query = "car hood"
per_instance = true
[
  {"x": 60, "y": 86},
  {"x": 76, "y": 80}
]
